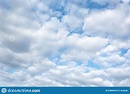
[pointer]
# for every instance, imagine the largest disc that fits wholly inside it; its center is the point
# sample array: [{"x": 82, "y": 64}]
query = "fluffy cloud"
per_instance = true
[
  {"x": 64, "y": 43},
  {"x": 112, "y": 23},
  {"x": 84, "y": 47}
]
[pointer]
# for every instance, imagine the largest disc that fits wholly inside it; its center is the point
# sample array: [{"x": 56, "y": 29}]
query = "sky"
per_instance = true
[{"x": 64, "y": 42}]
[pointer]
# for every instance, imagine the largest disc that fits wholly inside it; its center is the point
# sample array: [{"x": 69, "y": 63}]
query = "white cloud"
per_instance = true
[
  {"x": 59, "y": 54},
  {"x": 39, "y": 66},
  {"x": 83, "y": 48},
  {"x": 75, "y": 17},
  {"x": 112, "y": 23},
  {"x": 109, "y": 61},
  {"x": 70, "y": 76}
]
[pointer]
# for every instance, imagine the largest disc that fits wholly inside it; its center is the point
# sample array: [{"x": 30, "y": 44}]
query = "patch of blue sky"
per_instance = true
[
  {"x": 58, "y": 15},
  {"x": 85, "y": 3},
  {"x": 59, "y": 9},
  {"x": 11, "y": 70},
  {"x": 56, "y": 60},
  {"x": 4, "y": 4},
  {"x": 123, "y": 51},
  {"x": 77, "y": 30},
  {"x": 93, "y": 65},
  {"x": 81, "y": 3},
  {"x": 94, "y": 5}
]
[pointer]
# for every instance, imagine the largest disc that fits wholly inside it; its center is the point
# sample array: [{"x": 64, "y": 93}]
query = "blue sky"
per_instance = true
[{"x": 64, "y": 42}]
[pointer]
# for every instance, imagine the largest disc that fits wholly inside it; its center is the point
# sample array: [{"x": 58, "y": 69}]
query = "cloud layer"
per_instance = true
[{"x": 64, "y": 43}]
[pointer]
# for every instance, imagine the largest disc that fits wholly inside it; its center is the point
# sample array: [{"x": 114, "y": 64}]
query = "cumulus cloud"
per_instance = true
[
  {"x": 64, "y": 43},
  {"x": 112, "y": 23}
]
